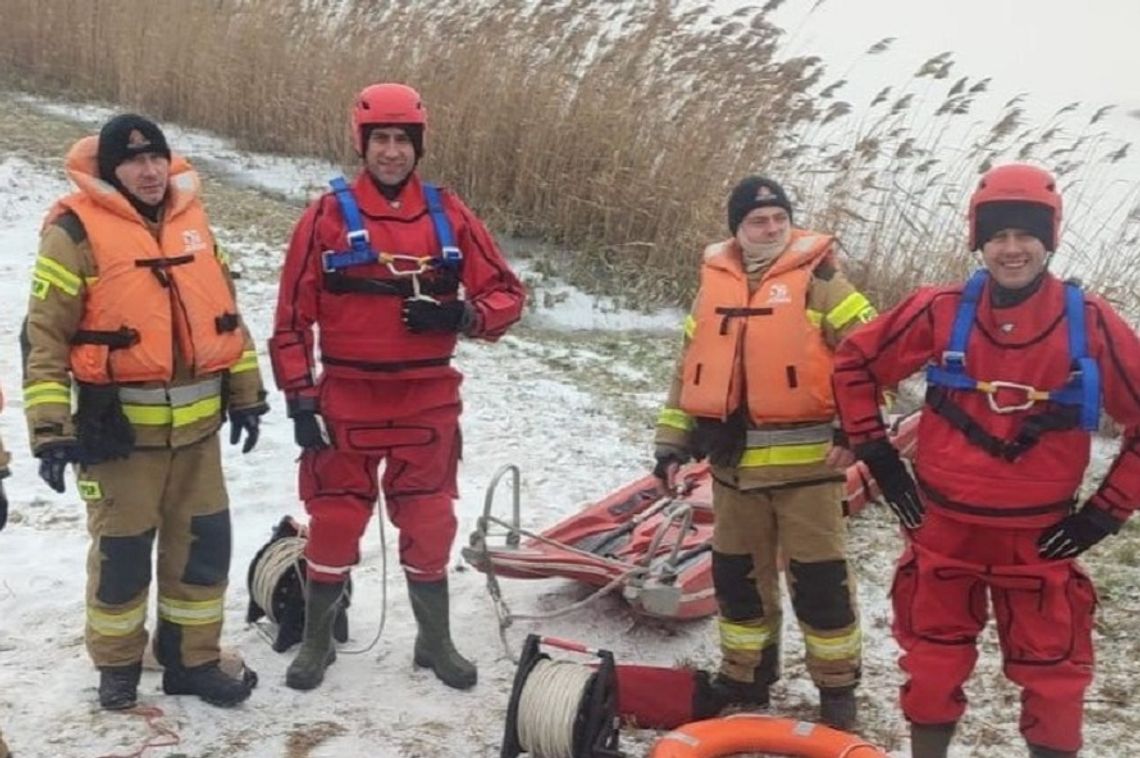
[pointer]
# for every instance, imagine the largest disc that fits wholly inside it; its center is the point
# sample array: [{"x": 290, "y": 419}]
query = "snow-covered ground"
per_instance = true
[{"x": 521, "y": 407}]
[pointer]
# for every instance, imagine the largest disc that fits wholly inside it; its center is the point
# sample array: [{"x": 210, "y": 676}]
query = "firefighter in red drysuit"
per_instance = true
[
  {"x": 1019, "y": 364},
  {"x": 377, "y": 267}
]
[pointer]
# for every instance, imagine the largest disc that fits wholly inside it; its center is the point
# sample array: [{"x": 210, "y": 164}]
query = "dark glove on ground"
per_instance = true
[
  {"x": 309, "y": 430},
  {"x": 895, "y": 482},
  {"x": 669, "y": 459},
  {"x": 1076, "y": 533},
  {"x": 3, "y": 502},
  {"x": 249, "y": 421},
  {"x": 428, "y": 316},
  {"x": 54, "y": 460}
]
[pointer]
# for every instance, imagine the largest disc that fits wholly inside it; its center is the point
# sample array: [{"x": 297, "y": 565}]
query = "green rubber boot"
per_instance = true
[
  {"x": 434, "y": 648},
  {"x": 307, "y": 670}
]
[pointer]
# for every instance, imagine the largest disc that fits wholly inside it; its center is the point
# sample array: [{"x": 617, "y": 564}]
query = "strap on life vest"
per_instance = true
[
  {"x": 449, "y": 253},
  {"x": 360, "y": 250},
  {"x": 1080, "y": 396}
]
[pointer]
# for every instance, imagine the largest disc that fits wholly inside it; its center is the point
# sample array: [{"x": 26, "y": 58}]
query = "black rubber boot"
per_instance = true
[
  {"x": 317, "y": 652},
  {"x": 434, "y": 648},
  {"x": 738, "y": 695},
  {"x": 837, "y": 707},
  {"x": 931, "y": 740},
  {"x": 1036, "y": 751},
  {"x": 119, "y": 686},
  {"x": 210, "y": 683}
]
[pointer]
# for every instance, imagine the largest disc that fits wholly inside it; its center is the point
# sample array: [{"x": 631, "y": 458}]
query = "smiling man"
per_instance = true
[
  {"x": 384, "y": 274},
  {"x": 132, "y": 306},
  {"x": 1019, "y": 366}
]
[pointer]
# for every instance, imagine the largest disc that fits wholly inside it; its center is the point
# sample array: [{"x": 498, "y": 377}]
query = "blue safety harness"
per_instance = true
[
  {"x": 360, "y": 252},
  {"x": 1076, "y": 404}
]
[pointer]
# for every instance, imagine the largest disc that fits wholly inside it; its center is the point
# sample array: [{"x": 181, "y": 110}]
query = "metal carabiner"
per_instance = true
[{"x": 1032, "y": 395}]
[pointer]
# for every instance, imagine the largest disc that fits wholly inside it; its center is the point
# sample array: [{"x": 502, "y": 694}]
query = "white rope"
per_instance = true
[
  {"x": 549, "y": 706},
  {"x": 278, "y": 557},
  {"x": 289, "y": 551}
]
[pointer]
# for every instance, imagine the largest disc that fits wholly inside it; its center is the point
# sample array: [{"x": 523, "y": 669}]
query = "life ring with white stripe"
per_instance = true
[{"x": 751, "y": 732}]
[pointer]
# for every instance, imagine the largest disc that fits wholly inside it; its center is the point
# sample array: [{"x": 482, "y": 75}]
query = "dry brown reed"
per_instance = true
[{"x": 613, "y": 130}]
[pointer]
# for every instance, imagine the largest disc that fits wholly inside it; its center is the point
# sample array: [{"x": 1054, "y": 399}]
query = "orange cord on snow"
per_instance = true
[{"x": 161, "y": 735}]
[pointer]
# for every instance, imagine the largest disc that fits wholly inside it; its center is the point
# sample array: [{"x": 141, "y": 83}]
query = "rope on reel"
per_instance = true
[
  {"x": 279, "y": 557},
  {"x": 562, "y": 709}
]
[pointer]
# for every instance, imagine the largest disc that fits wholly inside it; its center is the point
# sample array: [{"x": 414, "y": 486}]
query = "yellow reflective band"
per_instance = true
[
  {"x": 785, "y": 455},
  {"x": 247, "y": 362},
  {"x": 58, "y": 275},
  {"x": 184, "y": 415},
  {"x": 854, "y": 306},
  {"x": 675, "y": 418},
  {"x": 834, "y": 648},
  {"x": 735, "y": 636},
  {"x": 815, "y": 317},
  {"x": 190, "y": 612},
  {"x": 690, "y": 327},
  {"x": 222, "y": 255},
  {"x": 47, "y": 393},
  {"x": 89, "y": 490},
  {"x": 40, "y": 287},
  {"x": 117, "y": 624}
]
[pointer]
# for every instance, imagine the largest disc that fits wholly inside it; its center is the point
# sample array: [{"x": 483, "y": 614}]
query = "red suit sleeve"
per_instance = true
[
  {"x": 291, "y": 346},
  {"x": 879, "y": 355},
  {"x": 491, "y": 287},
  {"x": 1116, "y": 348}
]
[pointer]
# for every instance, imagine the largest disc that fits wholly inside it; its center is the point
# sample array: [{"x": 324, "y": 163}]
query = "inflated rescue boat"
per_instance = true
[{"x": 657, "y": 549}]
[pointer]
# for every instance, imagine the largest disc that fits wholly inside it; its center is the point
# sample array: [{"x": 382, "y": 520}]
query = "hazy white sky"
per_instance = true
[{"x": 1056, "y": 50}]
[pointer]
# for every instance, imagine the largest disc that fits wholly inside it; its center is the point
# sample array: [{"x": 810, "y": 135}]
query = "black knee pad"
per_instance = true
[
  {"x": 125, "y": 570},
  {"x": 735, "y": 589},
  {"x": 821, "y": 597},
  {"x": 208, "y": 561}
]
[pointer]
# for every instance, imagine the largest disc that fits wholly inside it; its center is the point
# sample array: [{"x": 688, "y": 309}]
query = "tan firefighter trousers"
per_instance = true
[
  {"x": 805, "y": 525},
  {"x": 179, "y": 496}
]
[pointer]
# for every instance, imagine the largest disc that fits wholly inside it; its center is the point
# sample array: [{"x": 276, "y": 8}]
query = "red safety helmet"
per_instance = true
[
  {"x": 1018, "y": 182},
  {"x": 387, "y": 103}
]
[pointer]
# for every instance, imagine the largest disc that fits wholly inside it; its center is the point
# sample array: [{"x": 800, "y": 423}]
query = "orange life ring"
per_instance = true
[{"x": 750, "y": 732}]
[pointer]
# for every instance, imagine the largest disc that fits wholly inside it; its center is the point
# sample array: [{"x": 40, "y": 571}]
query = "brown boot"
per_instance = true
[
  {"x": 931, "y": 740},
  {"x": 1036, "y": 751}
]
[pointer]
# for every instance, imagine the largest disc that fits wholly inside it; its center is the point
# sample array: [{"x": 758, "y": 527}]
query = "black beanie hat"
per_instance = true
[
  {"x": 755, "y": 192},
  {"x": 124, "y": 137},
  {"x": 415, "y": 133},
  {"x": 994, "y": 217}
]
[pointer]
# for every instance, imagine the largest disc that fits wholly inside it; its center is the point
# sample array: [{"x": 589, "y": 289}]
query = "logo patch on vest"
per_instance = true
[
  {"x": 778, "y": 293},
  {"x": 193, "y": 241}
]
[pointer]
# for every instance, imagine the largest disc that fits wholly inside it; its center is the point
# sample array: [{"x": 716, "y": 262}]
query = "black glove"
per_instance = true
[
  {"x": 54, "y": 460},
  {"x": 430, "y": 316},
  {"x": 248, "y": 420},
  {"x": 309, "y": 430},
  {"x": 102, "y": 428},
  {"x": 669, "y": 459},
  {"x": 1076, "y": 533},
  {"x": 3, "y": 502},
  {"x": 895, "y": 482}
]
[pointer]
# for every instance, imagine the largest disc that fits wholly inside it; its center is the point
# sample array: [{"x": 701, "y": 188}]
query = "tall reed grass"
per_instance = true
[{"x": 612, "y": 130}]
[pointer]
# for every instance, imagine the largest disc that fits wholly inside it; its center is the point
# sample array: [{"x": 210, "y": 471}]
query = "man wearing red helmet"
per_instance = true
[
  {"x": 377, "y": 267},
  {"x": 1019, "y": 365}
]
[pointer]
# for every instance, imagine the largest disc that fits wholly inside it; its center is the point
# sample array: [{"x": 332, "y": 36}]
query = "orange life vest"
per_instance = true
[
  {"x": 149, "y": 294},
  {"x": 781, "y": 365}
]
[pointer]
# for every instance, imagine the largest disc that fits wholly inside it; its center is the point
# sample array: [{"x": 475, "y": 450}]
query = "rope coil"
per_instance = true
[
  {"x": 279, "y": 557},
  {"x": 548, "y": 708}
]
